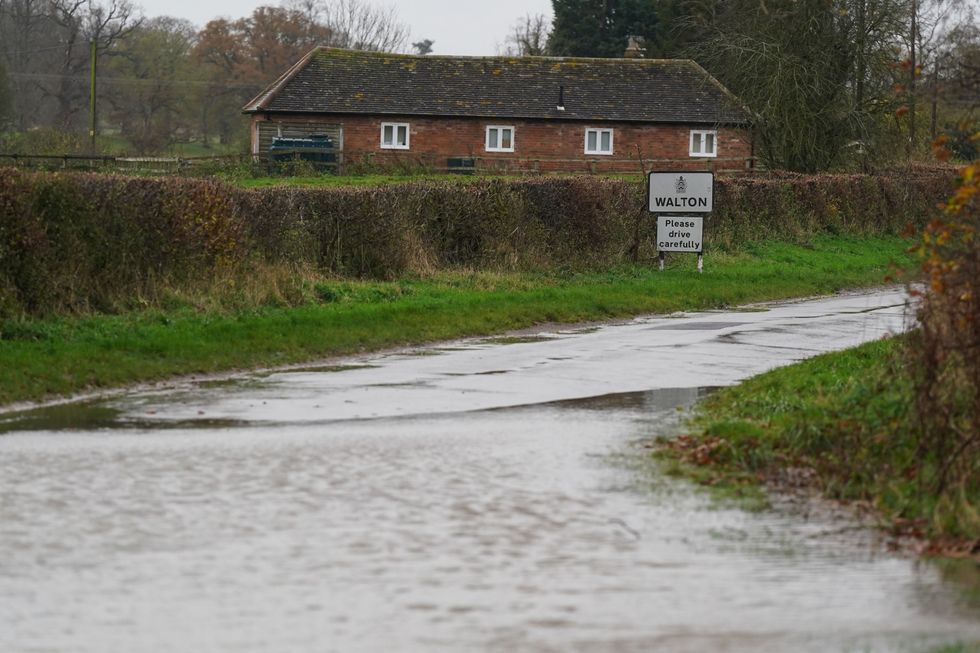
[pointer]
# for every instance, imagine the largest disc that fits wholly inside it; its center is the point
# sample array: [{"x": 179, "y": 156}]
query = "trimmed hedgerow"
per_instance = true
[
  {"x": 386, "y": 231},
  {"x": 82, "y": 242}
]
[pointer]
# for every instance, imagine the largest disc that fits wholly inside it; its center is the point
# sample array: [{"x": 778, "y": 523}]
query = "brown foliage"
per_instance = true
[
  {"x": 83, "y": 242},
  {"x": 946, "y": 352},
  {"x": 71, "y": 242}
]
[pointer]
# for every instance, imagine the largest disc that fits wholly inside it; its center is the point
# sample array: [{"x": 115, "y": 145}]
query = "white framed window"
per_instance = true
[
  {"x": 598, "y": 141},
  {"x": 500, "y": 138},
  {"x": 394, "y": 136},
  {"x": 704, "y": 142}
]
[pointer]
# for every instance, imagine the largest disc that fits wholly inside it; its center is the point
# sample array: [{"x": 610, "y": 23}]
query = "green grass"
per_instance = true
[
  {"x": 958, "y": 648},
  {"x": 41, "y": 358},
  {"x": 199, "y": 149},
  {"x": 119, "y": 145},
  {"x": 846, "y": 418}
]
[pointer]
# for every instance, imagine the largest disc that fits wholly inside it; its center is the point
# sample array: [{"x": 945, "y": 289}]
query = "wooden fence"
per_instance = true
[{"x": 142, "y": 164}]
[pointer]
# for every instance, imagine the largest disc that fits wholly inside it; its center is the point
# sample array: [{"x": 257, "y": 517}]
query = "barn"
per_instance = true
[{"x": 543, "y": 114}]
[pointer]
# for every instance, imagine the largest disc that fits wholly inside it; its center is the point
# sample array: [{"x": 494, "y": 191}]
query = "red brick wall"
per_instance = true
[{"x": 544, "y": 145}]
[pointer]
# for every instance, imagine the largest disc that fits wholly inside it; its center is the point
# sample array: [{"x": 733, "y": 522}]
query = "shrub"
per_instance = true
[
  {"x": 82, "y": 242},
  {"x": 945, "y": 352},
  {"x": 95, "y": 242},
  {"x": 51, "y": 142}
]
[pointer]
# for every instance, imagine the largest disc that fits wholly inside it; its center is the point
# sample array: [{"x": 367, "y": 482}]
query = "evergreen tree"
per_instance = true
[
  {"x": 681, "y": 26},
  {"x": 600, "y": 28}
]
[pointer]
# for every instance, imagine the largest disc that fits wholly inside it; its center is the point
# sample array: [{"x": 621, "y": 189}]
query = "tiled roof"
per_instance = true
[{"x": 329, "y": 80}]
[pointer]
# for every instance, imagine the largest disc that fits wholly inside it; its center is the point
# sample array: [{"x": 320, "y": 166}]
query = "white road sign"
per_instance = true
[
  {"x": 680, "y": 233},
  {"x": 681, "y": 192}
]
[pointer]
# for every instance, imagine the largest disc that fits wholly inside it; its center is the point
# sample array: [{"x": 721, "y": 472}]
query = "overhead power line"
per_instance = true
[
  {"x": 133, "y": 81},
  {"x": 36, "y": 50}
]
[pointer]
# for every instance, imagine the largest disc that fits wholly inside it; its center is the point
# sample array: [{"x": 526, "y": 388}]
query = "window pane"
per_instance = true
[
  {"x": 506, "y": 139},
  {"x": 696, "y": 142},
  {"x": 590, "y": 136},
  {"x": 389, "y": 135},
  {"x": 492, "y": 139},
  {"x": 403, "y": 135},
  {"x": 709, "y": 143},
  {"x": 606, "y": 141}
]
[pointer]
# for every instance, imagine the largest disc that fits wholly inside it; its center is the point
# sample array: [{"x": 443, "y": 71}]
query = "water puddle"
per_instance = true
[
  {"x": 516, "y": 340},
  {"x": 579, "y": 332},
  {"x": 322, "y": 369},
  {"x": 486, "y": 373},
  {"x": 77, "y": 416},
  {"x": 459, "y": 498},
  {"x": 697, "y": 326},
  {"x": 100, "y": 415},
  {"x": 965, "y": 576},
  {"x": 646, "y": 403},
  {"x": 418, "y": 353},
  {"x": 749, "y": 309},
  {"x": 234, "y": 383}
]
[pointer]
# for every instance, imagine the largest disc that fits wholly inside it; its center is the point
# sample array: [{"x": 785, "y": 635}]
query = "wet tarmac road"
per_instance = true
[{"x": 478, "y": 496}]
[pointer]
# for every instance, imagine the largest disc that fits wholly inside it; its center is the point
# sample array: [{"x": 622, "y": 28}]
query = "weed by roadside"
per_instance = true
[{"x": 842, "y": 423}]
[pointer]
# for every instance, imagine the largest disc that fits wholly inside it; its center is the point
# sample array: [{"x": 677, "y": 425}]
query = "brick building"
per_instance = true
[{"x": 507, "y": 113}]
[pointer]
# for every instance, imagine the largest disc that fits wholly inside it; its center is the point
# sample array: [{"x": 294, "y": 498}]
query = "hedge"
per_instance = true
[{"x": 82, "y": 242}]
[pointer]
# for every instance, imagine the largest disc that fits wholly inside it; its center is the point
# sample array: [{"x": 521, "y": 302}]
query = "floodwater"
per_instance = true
[{"x": 488, "y": 495}]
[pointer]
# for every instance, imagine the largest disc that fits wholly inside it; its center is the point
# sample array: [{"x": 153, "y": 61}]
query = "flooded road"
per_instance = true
[{"x": 488, "y": 495}]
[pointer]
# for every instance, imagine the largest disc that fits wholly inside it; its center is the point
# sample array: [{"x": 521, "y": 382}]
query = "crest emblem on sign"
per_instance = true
[{"x": 681, "y": 185}]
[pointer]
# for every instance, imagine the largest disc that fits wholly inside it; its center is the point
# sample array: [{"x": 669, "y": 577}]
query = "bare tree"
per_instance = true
[
  {"x": 962, "y": 60},
  {"x": 109, "y": 22},
  {"x": 529, "y": 36},
  {"x": 354, "y": 24},
  {"x": 825, "y": 66},
  {"x": 81, "y": 22},
  {"x": 927, "y": 40},
  {"x": 150, "y": 83},
  {"x": 872, "y": 24},
  {"x": 312, "y": 10},
  {"x": 28, "y": 42},
  {"x": 359, "y": 26}
]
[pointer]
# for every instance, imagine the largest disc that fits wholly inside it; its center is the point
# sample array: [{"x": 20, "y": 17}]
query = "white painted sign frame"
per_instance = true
[
  {"x": 671, "y": 192},
  {"x": 670, "y": 229},
  {"x": 680, "y": 191}
]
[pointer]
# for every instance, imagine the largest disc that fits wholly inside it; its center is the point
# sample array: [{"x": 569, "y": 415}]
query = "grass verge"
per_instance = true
[
  {"x": 842, "y": 423},
  {"x": 42, "y": 358}
]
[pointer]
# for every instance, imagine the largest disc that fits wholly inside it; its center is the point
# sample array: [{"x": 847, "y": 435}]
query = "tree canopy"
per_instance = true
[
  {"x": 162, "y": 81},
  {"x": 600, "y": 28},
  {"x": 833, "y": 82}
]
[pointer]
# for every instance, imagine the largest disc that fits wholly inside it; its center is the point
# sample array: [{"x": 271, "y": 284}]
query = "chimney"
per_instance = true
[{"x": 634, "y": 50}]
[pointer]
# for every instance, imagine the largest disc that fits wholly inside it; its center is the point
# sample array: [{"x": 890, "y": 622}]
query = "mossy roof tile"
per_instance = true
[{"x": 329, "y": 80}]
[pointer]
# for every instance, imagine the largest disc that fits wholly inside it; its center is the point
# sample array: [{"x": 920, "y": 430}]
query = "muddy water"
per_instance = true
[{"x": 483, "y": 496}]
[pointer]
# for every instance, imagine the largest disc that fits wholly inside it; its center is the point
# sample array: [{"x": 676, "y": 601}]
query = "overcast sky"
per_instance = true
[{"x": 471, "y": 27}]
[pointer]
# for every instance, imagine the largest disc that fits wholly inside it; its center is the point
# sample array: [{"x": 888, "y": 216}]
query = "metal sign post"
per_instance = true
[{"x": 673, "y": 197}]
